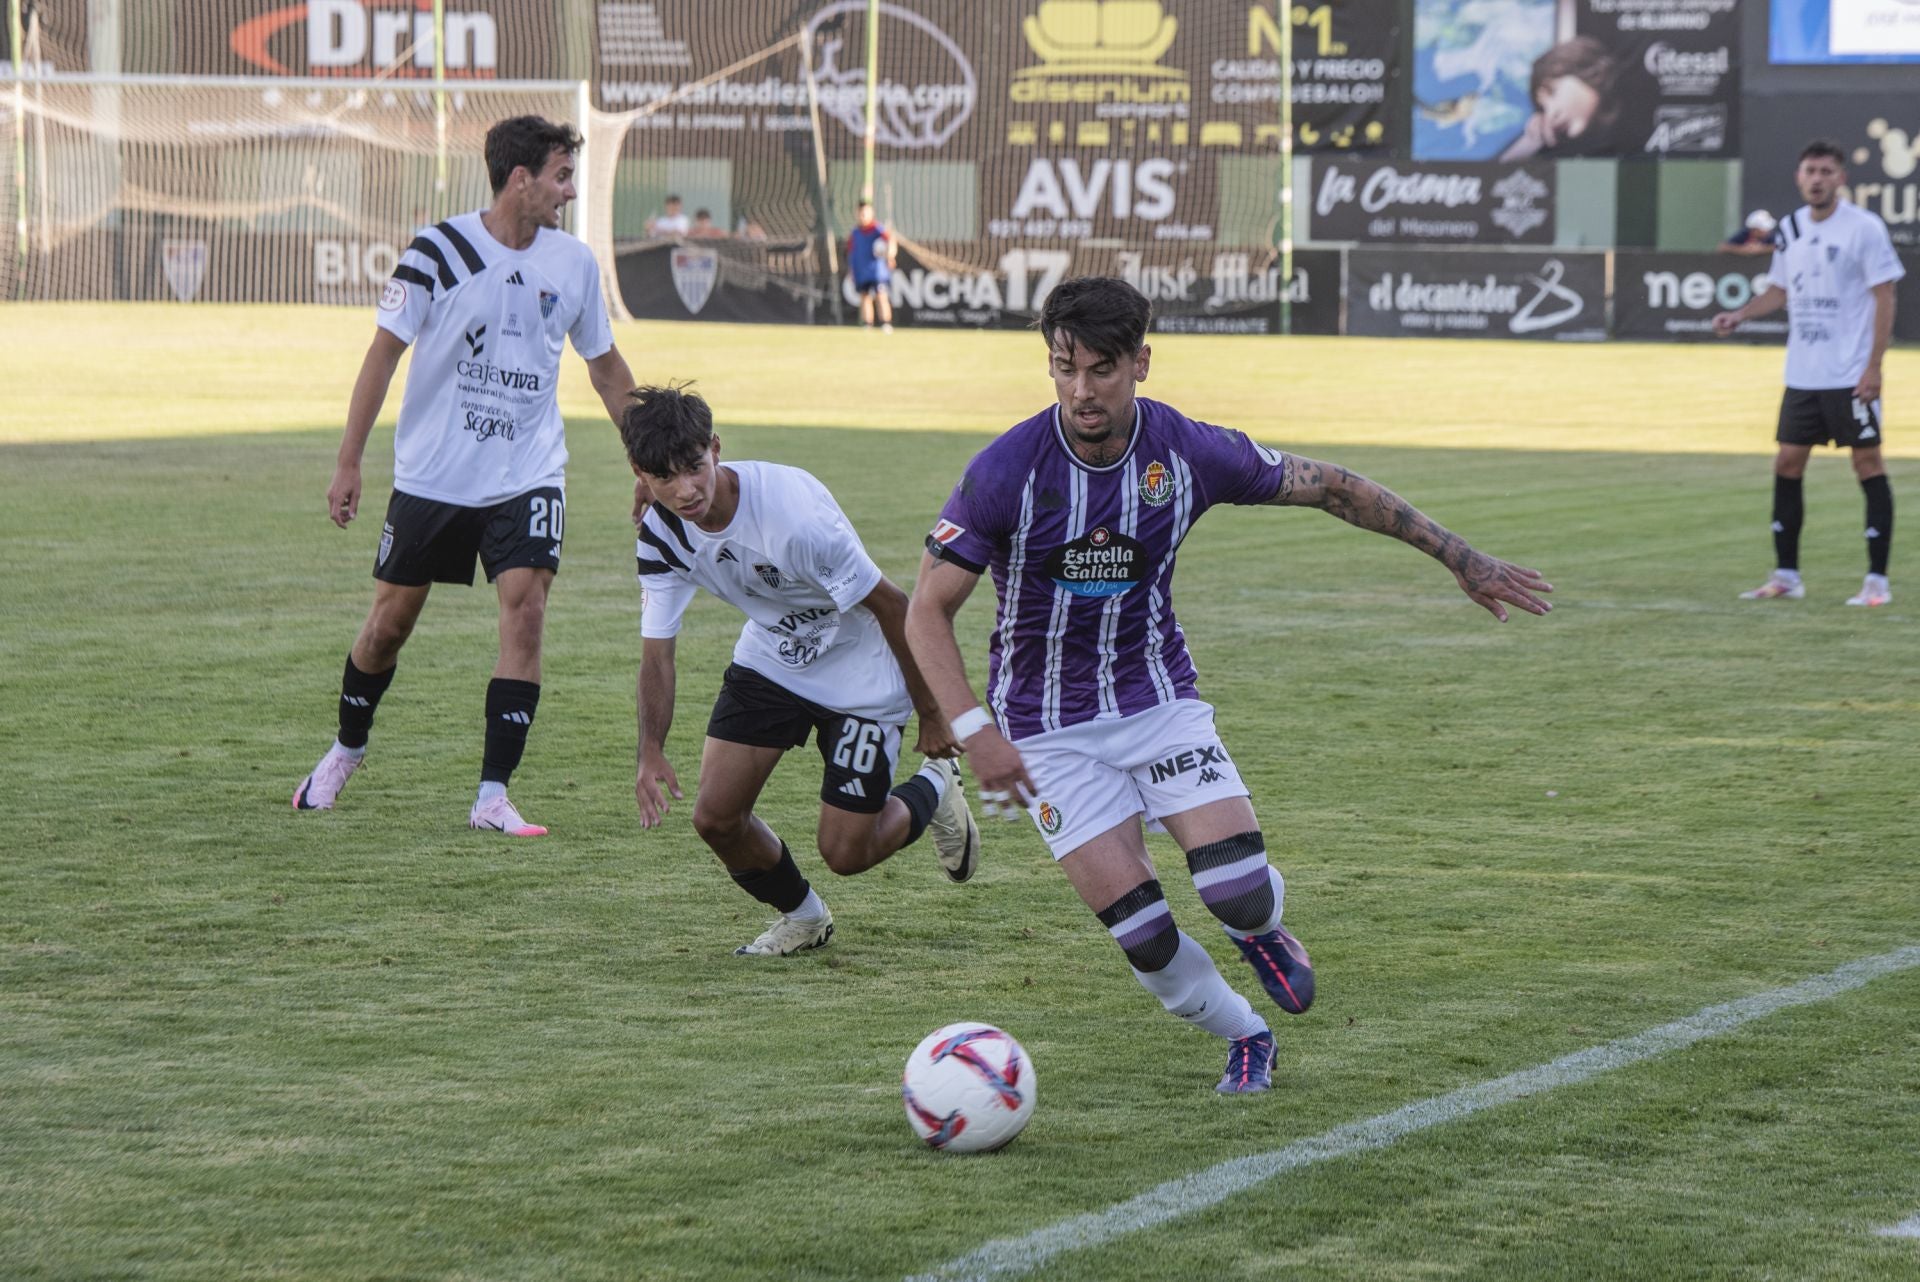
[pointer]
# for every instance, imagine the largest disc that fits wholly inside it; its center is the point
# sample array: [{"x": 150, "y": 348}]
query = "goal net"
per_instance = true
[
  {"x": 1014, "y": 144},
  {"x": 230, "y": 189}
]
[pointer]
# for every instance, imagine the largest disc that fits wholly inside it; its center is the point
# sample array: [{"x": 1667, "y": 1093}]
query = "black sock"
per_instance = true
[
  {"x": 1879, "y": 492},
  {"x": 359, "y": 695},
  {"x": 780, "y": 887},
  {"x": 1788, "y": 512},
  {"x": 921, "y": 801},
  {"x": 510, "y": 707}
]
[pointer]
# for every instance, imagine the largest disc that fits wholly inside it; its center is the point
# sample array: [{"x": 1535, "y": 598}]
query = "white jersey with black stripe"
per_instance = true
[
  {"x": 1828, "y": 269},
  {"x": 790, "y": 561},
  {"x": 480, "y": 423}
]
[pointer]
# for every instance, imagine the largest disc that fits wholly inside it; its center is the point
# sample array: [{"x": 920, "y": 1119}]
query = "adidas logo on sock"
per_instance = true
[
  {"x": 518, "y": 718},
  {"x": 356, "y": 701},
  {"x": 515, "y": 279},
  {"x": 852, "y": 788}
]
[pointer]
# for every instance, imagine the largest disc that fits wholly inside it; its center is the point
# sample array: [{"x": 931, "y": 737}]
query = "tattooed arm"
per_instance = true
[{"x": 1358, "y": 501}]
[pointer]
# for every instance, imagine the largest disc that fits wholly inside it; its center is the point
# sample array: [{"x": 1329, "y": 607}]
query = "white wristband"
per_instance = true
[{"x": 970, "y": 723}]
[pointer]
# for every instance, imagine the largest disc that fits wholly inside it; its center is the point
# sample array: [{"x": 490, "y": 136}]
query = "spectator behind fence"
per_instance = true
[
  {"x": 870, "y": 257},
  {"x": 672, "y": 221},
  {"x": 1755, "y": 236},
  {"x": 704, "y": 228}
]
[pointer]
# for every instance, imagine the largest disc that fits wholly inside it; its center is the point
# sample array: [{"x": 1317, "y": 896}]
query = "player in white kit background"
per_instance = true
[
  {"x": 1093, "y": 720},
  {"x": 1834, "y": 270},
  {"x": 488, "y": 301},
  {"x": 823, "y": 652}
]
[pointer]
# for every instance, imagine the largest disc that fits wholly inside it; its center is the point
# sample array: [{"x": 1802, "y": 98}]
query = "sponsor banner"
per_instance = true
[
  {"x": 1345, "y": 65},
  {"x": 969, "y": 80},
  {"x": 1843, "y": 31},
  {"x": 1879, "y": 132},
  {"x": 358, "y": 39},
  {"x": 1668, "y": 73},
  {"x": 1472, "y": 74},
  {"x": 703, "y": 281},
  {"x": 1674, "y": 297},
  {"x": 1477, "y": 294},
  {"x": 1088, "y": 196},
  {"x": 1433, "y": 201}
]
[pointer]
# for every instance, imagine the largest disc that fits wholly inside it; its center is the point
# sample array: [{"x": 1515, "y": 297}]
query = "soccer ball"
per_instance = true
[{"x": 968, "y": 1088}]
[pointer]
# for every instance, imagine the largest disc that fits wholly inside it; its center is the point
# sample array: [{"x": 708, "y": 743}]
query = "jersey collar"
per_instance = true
[{"x": 1133, "y": 439}]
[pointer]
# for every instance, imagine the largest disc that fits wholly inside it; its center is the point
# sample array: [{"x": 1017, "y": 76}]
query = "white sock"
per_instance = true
[
  {"x": 1191, "y": 988},
  {"x": 1279, "y": 903},
  {"x": 1873, "y": 581},
  {"x": 811, "y": 909},
  {"x": 1787, "y": 576},
  {"x": 345, "y": 751},
  {"x": 489, "y": 790},
  {"x": 934, "y": 775}
]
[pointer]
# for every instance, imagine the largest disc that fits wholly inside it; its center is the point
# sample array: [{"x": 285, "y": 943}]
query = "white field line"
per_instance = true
[
  {"x": 1906, "y": 1228},
  {"x": 1196, "y": 1192}
]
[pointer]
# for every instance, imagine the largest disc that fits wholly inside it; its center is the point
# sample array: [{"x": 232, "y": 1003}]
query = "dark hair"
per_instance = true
[
  {"x": 1104, "y": 314},
  {"x": 667, "y": 429},
  {"x": 1824, "y": 147},
  {"x": 704, "y": 213},
  {"x": 525, "y": 141},
  {"x": 671, "y": 199},
  {"x": 1583, "y": 58},
  {"x": 865, "y": 204}
]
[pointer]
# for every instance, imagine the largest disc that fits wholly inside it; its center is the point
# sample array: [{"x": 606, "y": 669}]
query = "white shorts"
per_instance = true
[{"x": 1099, "y": 774}]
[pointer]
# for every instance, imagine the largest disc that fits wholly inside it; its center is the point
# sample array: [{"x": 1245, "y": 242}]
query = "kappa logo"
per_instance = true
[
  {"x": 1207, "y": 776},
  {"x": 1156, "y": 485},
  {"x": 769, "y": 574},
  {"x": 1050, "y": 818},
  {"x": 695, "y": 273},
  {"x": 1202, "y": 758},
  {"x": 476, "y": 340}
]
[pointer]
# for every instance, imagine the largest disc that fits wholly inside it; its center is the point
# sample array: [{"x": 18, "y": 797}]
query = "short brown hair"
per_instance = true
[{"x": 525, "y": 141}]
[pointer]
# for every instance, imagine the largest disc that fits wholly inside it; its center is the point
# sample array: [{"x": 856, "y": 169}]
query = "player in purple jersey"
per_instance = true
[{"x": 1096, "y": 721}]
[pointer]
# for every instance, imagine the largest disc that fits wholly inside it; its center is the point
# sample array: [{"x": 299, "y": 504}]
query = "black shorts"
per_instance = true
[
  {"x": 426, "y": 541},
  {"x": 870, "y": 286},
  {"x": 859, "y": 754},
  {"x": 1832, "y": 414}
]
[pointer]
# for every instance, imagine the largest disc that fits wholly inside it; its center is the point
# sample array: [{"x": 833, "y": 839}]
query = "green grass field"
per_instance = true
[{"x": 236, "y": 1042}]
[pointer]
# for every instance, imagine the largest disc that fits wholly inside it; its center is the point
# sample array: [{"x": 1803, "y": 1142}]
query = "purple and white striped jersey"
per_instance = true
[{"x": 1082, "y": 560}]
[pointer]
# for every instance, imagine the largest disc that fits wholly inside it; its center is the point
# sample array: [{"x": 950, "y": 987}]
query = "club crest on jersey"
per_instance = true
[
  {"x": 386, "y": 545},
  {"x": 1156, "y": 484},
  {"x": 769, "y": 574},
  {"x": 548, "y": 301},
  {"x": 945, "y": 531},
  {"x": 1049, "y": 817}
]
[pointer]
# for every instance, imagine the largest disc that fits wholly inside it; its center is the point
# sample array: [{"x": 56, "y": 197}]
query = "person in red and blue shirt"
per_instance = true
[{"x": 870, "y": 253}]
